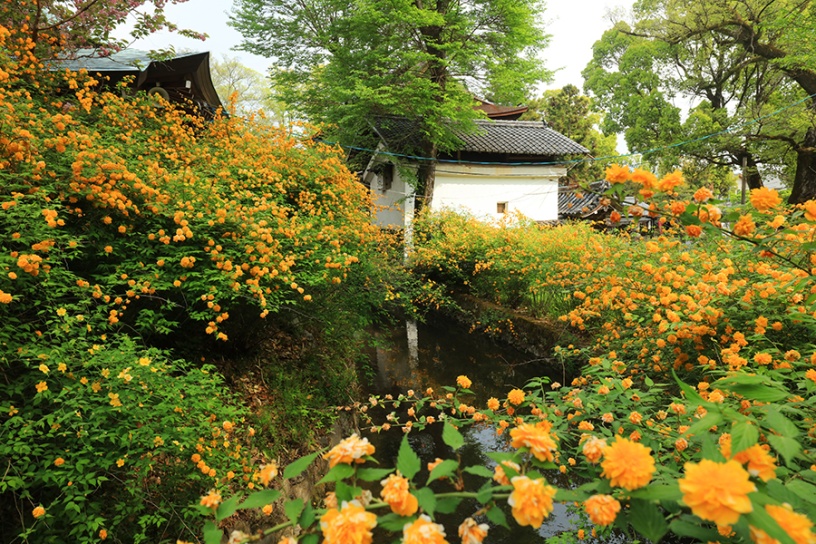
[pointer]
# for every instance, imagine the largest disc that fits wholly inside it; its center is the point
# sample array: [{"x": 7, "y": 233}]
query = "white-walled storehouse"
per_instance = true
[{"x": 504, "y": 167}]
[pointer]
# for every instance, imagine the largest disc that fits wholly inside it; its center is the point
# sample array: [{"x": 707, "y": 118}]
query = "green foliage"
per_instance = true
[
  {"x": 343, "y": 64},
  {"x": 571, "y": 114}
]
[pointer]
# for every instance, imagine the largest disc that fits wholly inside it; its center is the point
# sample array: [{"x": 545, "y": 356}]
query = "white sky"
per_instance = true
[{"x": 574, "y": 25}]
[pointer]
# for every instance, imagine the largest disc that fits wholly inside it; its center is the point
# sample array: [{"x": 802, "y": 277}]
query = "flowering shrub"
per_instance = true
[
  {"x": 691, "y": 415},
  {"x": 135, "y": 235}
]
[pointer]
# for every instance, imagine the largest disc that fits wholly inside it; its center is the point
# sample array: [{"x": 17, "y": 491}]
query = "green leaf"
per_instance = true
[
  {"x": 743, "y": 436},
  {"x": 501, "y": 456},
  {"x": 212, "y": 534},
  {"x": 778, "y": 423},
  {"x": 479, "y": 470},
  {"x": 293, "y": 509},
  {"x": 691, "y": 394},
  {"x": 259, "y": 499},
  {"x": 394, "y": 523},
  {"x": 496, "y": 515},
  {"x": 338, "y": 472},
  {"x": 693, "y": 530},
  {"x": 659, "y": 492},
  {"x": 786, "y": 446},
  {"x": 345, "y": 492},
  {"x": 442, "y": 470},
  {"x": 447, "y": 505},
  {"x": 761, "y": 519},
  {"x": 753, "y": 386},
  {"x": 647, "y": 519},
  {"x": 373, "y": 474},
  {"x": 452, "y": 437},
  {"x": 227, "y": 508},
  {"x": 407, "y": 461},
  {"x": 427, "y": 500},
  {"x": 708, "y": 421},
  {"x": 803, "y": 490},
  {"x": 570, "y": 495},
  {"x": 310, "y": 539},
  {"x": 485, "y": 493},
  {"x": 307, "y": 517},
  {"x": 296, "y": 468}
]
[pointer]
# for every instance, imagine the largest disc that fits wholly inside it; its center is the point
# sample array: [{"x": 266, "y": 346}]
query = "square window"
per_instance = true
[{"x": 501, "y": 207}]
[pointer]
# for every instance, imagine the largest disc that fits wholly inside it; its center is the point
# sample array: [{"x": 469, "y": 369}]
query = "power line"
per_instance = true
[{"x": 588, "y": 159}]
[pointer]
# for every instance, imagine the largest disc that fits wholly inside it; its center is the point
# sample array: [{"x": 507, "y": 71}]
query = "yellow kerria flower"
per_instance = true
[
  {"x": 627, "y": 464},
  {"x": 472, "y": 533},
  {"x": 500, "y": 476},
  {"x": 493, "y": 403},
  {"x": 396, "y": 493},
  {"x": 760, "y": 463},
  {"x": 602, "y": 509},
  {"x": 593, "y": 449},
  {"x": 616, "y": 173},
  {"x": 423, "y": 531},
  {"x": 531, "y": 500},
  {"x": 537, "y": 438},
  {"x": 764, "y": 199},
  {"x": 717, "y": 492},
  {"x": 38, "y": 512},
  {"x": 211, "y": 500},
  {"x": 797, "y": 526},
  {"x": 463, "y": 382},
  {"x": 349, "y": 525},
  {"x": 42, "y": 386},
  {"x": 268, "y": 472},
  {"x": 349, "y": 450},
  {"x": 515, "y": 397}
]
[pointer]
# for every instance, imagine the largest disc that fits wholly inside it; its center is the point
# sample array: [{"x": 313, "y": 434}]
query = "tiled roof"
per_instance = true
[
  {"x": 532, "y": 138},
  {"x": 126, "y": 60},
  {"x": 519, "y": 138},
  {"x": 580, "y": 203}
]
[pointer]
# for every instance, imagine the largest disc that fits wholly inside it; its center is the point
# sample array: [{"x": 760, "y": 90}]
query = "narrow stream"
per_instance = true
[{"x": 433, "y": 355}]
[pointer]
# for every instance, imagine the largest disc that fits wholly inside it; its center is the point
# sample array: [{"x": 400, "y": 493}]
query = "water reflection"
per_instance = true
[{"x": 418, "y": 356}]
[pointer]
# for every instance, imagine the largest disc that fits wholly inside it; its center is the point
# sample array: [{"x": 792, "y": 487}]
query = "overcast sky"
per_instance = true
[{"x": 574, "y": 25}]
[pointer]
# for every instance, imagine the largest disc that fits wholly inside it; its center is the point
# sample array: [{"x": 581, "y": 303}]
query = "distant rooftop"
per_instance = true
[
  {"x": 527, "y": 138},
  {"x": 126, "y": 60}
]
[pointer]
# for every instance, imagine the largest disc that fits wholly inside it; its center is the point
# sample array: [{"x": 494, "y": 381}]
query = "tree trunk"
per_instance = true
[
  {"x": 804, "y": 183},
  {"x": 752, "y": 174},
  {"x": 426, "y": 174}
]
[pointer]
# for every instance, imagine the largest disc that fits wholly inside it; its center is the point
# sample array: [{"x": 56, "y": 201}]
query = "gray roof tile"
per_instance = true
[
  {"x": 531, "y": 138},
  {"x": 519, "y": 138}
]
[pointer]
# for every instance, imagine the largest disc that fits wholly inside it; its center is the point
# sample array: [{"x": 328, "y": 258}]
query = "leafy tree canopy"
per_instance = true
[
  {"x": 344, "y": 63},
  {"x": 571, "y": 113},
  {"x": 61, "y": 26},
  {"x": 737, "y": 62}
]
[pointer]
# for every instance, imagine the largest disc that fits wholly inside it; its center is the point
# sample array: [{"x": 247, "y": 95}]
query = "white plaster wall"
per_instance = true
[
  {"x": 530, "y": 189},
  {"x": 393, "y": 206}
]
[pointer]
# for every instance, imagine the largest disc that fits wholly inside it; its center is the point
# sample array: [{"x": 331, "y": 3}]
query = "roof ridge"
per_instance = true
[{"x": 511, "y": 123}]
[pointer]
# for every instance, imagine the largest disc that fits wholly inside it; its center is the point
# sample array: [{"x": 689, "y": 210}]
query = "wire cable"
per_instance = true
[{"x": 588, "y": 159}]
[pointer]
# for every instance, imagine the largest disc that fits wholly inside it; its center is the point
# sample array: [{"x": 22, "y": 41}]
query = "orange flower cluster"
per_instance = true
[
  {"x": 537, "y": 438},
  {"x": 531, "y": 501},
  {"x": 351, "y": 524},
  {"x": 350, "y": 450},
  {"x": 395, "y": 491},
  {"x": 627, "y": 464},
  {"x": 717, "y": 492}
]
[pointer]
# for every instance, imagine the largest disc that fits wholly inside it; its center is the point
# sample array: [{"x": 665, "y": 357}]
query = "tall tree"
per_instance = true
[
  {"x": 249, "y": 88},
  {"x": 62, "y": 26},
  {"x": 772, "y": 53},
  {"x": 570, "y": 113},
  {"x": 343, "y": 63}
]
